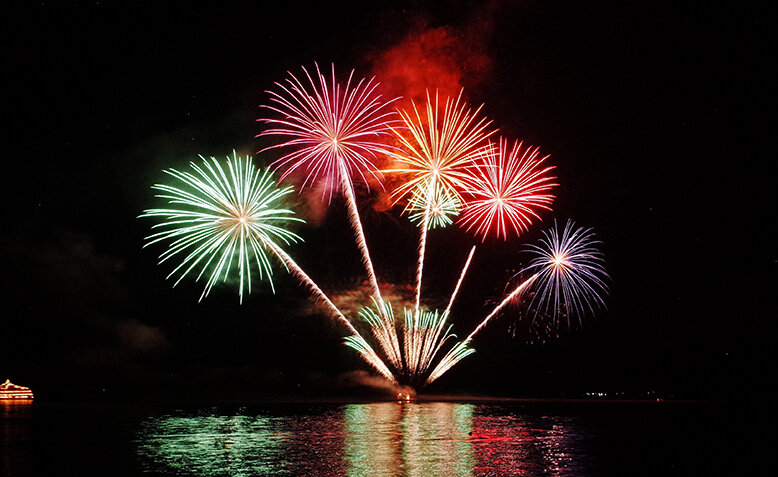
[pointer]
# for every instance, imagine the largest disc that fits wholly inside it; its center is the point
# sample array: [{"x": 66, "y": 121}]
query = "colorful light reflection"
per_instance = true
[{"x": 375, "y": 439}]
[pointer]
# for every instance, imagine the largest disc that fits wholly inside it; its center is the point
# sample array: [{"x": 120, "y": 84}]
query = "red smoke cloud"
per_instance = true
[
  {"x": 428, "y": 59},
  {"x": 441, "y": 59}
]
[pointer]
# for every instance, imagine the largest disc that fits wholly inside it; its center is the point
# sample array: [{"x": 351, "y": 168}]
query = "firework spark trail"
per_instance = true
[
  {"x": 432, "y": 340},
  {"x": 218, "y": 217},
  {"x": 423, "y": 243},
  {"x": 436, "y": 156},
  {"x": 306, "y": 280},
  {"x": 426, "y": 344},
  {"x": 356, "y": 224},
  {"x": 384, "y": 330},
  {"x": 461, "y": 278},
  {"x": 387, "y": 332},
  {"x": 358, "y": 343},
  {"x": 461, "y": 350},
  {"x": 571, "y": 272},
  {"x": 436, "y": 205},
  {"x": 421, "y": 337},
  {"x": 421, "y": 341},
  {"x": 367, "y": 352},
  {"x": 505, "y": 190},
  {"x": 516, "y": 291},
  {"x": 336, "y": 133},
  {"x": 423, "y": 334},
  {"x": 454, "y": 355}
]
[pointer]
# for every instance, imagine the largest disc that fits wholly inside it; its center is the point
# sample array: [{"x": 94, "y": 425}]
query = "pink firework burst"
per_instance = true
[
  {"x": 506, "y": 190},
  {"x": 334, "y": 131}
]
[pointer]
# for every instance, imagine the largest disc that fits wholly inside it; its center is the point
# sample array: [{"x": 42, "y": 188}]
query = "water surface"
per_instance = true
[{"x": 364, "y": 439}]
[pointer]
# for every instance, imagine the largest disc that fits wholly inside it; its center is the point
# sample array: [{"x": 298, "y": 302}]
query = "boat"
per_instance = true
[{"x": 9, "y": 390}]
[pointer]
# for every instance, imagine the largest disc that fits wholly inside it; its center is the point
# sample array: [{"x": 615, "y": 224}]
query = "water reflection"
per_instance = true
[
  {"x": 211, "y": 444},
  {"x": 374, "y": 439},
  {"x": 408, "y": 439},
  {"x": 15, "y": 436},
  {"x": 517, "y": 444}
]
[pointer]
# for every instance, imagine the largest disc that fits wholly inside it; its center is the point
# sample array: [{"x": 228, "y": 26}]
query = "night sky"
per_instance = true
[{"x": 656, "y": 116}]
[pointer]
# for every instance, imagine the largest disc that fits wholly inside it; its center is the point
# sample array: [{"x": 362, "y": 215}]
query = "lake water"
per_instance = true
[{"x": 366, "y": 439}]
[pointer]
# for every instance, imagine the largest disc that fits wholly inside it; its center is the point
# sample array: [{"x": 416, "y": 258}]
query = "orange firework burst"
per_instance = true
[
  {"x": 506, "y": 189},
  {"x": 439, "y": 148}
]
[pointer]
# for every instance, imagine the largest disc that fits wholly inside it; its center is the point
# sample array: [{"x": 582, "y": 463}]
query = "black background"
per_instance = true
[{"x": 656, "y": 116}]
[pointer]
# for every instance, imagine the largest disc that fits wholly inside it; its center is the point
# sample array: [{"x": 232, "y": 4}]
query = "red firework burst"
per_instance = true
[
  {"x": 506, "y": 189},
  {"x": 335, "y": 130}
]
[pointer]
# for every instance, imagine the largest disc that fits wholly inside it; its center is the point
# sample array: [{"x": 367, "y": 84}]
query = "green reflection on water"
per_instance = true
[
  {"x": 211, "y": 444},
  {"x": 408, "y": 439},
  {"x": 377, "y": 439}
]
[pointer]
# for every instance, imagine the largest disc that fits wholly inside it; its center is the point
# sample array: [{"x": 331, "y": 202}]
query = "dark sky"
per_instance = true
[{"x": 656, "y": 117}]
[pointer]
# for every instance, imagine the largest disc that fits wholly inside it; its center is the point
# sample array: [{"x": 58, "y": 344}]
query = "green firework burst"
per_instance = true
[
  {"x": 219, "y": 219},
  {"x": 442, "y": 205}
]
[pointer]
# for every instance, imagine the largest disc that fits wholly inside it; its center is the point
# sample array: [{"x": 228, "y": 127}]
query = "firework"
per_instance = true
[
  {"x": 424, "y": 336},
  {"x": 410, "y": 345},
  {"x": 571, "y": 276},
  {"x": 334, "y": 133},
  {"x": 438, "y": 149},
  {"x": 434, "y": 157},
  {"x": 223, "y": 216},
  {"x": 383, "y": 327},
  {"x": 461, "y": 278},
  {"x": 568, "y": 279},
  {"x": 218, "y": 218},
  {"x": 358, "y": 343},
  {"x": 513, "y": 295},
  {"x": 456, "y": 354},
  {"x": 462, "y": 349},
  {"x": 440, "y": 209},
  {"x": 506, "y": 189}
]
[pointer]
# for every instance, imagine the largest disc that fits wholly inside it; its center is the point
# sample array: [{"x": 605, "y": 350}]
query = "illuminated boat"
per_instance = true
[{"x": 9, "y": 390}]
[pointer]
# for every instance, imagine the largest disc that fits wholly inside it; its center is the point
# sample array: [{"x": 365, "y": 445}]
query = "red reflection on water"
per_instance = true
[{"x": 522, "y": 445}]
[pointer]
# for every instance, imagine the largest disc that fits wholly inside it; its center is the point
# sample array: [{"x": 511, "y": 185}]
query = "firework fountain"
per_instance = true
[{"x": 446, "y": 166}]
